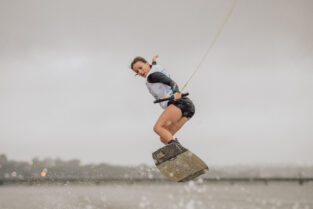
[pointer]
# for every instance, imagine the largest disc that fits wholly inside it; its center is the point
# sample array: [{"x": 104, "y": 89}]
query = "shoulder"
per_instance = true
[{"x": 156, "y": 67}]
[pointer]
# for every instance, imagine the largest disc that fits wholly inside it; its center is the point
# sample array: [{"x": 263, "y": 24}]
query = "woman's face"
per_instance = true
[{"x": 141, "y": 68}]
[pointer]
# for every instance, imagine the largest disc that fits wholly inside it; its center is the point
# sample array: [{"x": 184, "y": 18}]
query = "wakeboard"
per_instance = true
[{"x": 178, "y": 163}]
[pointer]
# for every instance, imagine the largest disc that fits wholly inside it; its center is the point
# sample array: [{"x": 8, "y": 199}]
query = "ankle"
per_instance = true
[{"x": 171, "y": 141}]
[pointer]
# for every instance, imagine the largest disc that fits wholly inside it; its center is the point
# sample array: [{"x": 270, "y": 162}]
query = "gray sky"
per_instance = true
[{"x": 66, "y": 89}]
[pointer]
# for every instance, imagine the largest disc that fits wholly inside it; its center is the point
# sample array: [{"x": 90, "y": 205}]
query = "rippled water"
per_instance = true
[{"x": 190, "y": 195}]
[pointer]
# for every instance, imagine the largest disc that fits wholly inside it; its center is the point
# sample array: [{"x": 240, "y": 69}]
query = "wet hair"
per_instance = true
[{"x": 137, "y": 59}]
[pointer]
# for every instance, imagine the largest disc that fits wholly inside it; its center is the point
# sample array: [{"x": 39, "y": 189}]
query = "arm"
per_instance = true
[
  {"x": 154, "y": 58},
  {"x": 158, "y": 77}
]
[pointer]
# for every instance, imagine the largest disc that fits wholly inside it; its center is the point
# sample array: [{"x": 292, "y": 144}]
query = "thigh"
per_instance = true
[{"x": 169, "y": 116}]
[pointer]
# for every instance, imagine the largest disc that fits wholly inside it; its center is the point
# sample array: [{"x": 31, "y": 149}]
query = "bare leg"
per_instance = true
[
  {"x": 173, "y": 128},
  {"x": 177, "y": 126},
  {"x": 170, "y": 115}
]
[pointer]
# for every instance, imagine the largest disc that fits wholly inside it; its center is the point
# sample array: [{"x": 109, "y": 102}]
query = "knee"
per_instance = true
[{"x": 156, "y": 128}]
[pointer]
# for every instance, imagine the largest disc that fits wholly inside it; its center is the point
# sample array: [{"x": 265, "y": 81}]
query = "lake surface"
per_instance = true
[{"x": 191, "y": 195}]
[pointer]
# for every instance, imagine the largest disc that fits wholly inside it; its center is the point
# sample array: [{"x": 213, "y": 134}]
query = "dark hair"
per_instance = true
[{"x": 138, "y": 59}]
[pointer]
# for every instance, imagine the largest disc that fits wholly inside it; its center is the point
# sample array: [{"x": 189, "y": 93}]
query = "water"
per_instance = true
[{"x": 192, "y": 195}]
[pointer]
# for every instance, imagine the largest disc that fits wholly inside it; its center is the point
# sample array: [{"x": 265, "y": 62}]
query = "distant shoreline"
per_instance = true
[{"x": 300, "y": 181}]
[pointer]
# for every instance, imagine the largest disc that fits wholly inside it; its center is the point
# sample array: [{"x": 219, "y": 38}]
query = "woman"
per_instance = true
[{"x": 177, "y": 111}]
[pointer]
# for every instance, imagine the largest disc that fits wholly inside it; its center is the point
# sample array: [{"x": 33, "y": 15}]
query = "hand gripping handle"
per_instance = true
[{"x": 170, "y": 98}]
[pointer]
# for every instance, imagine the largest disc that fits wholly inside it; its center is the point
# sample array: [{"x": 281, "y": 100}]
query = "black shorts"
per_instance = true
[{"x": 185, "y": 105}]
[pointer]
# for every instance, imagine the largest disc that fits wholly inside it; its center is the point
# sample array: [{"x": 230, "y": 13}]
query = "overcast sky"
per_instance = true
[{"x": 66, "y": 89}]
